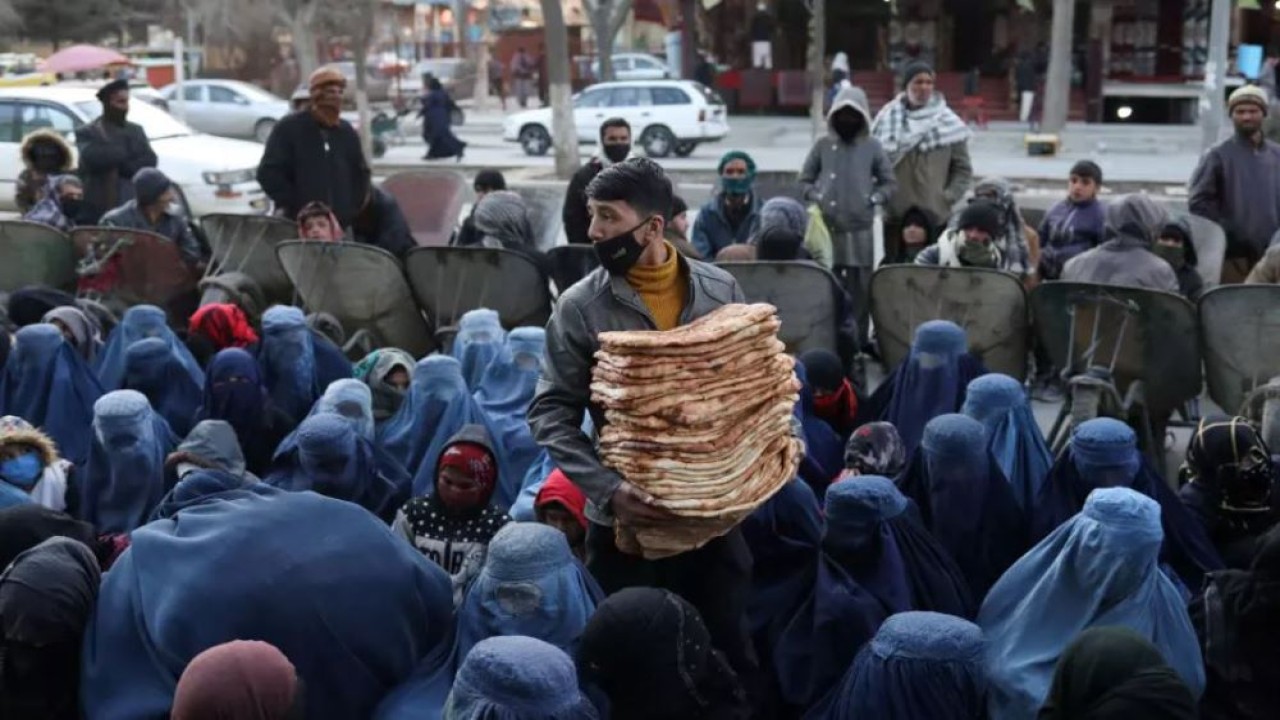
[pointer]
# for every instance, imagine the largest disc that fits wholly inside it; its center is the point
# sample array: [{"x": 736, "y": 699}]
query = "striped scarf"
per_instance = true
[{"x": 902, "y": 130}]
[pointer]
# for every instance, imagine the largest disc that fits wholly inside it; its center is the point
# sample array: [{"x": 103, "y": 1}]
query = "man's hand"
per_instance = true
[{"x": 634, "y": 506}]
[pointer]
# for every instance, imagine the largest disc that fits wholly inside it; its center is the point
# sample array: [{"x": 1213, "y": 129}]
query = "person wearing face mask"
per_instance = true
[
  {"x": 155, "y": 208},
  {"x": 971, "y": 243},
  {"x": 45, "y": 155},
  {"x": 31, "y": 471},
  {"x": 1174, "y": 246},
  {"x": 642, "y": 284},
  {"x": 732, "y": 215},
  {"x": 61, "y": 204},
  {"x": 615, "y": 146},
  {"x": 112, "y": 150}
]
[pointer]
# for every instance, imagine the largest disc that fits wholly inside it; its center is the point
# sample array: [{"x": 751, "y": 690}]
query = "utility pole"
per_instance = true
[
  {"x": 1057, "y": 84},
  {"x": 817, "y": 65},
  {"x": 1213, "y": 102},
  {"x": 688, "y": 38}
]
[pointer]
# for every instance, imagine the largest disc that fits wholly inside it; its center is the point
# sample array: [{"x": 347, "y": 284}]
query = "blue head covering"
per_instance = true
[
  {"x": 139, "y": 323},
  {"x": 203, "y": 486},
  {"x": 153, "y": 370},
  {"x": 437, "y": 407},
  {"x": 504, "y": 396},
  {"x": 352, "y": 400},
  {"x": 784, "y": 535},
  {"x": 48, "y": 385},
  {"x": 919, "y": 666},
  {"x": 823, "y": 445},
  {"x": 930, "y": 381},
  {"x": 1104, "y": 453},
  {"x": 479, "y": 340},
  {"x": 234, "y": 392},
  {"x": 530, "y": 585},
  {"x": 354, "y": 607},
  {"x": 330, "y": 458},
  {"x": 999, "y": 402},
  {"x": 1097, "y": 569},
  {"x": 297, "y": 364},
  {"x": 965, "y": 501},
  {"x": 124, "y": 478},
  {"x": 517, "y": 678}
]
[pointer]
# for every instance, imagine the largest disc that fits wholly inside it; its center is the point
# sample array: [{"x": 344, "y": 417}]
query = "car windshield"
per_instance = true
[{"x": 156, "y": 123}]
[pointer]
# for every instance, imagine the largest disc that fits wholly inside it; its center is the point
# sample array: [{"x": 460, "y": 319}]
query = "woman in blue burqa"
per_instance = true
[
  {"x": 124, "y": 479},
  {"x": 234, "y": 392},
  {"x": 328, "y": 456},
  {"x": 151, "y": 369},
  {"x": 824, "y": 448},
  {"x": 47, "y": 384},
  {"x": 929, "y": 382},
  {"x": 965, "y": 501},
  {"x": 1000, "y": 403},
  {"x": 1104, "y": 453},
  {"x": 919, "y": 666},
  {"x": 352, "y": 606},
  {"x": 479, "y": 341},
  {"x": 512, "y": 678},
  {"x": 504, "y": 395},
  {"x": 297, "y": 362},
  {"x": 877, "y": 559},
  {"x": 1097, "y": 569},
  {"x": 437, "y": 117},
  {"x": 437, "y": 407},
  {"x": 139, "y": 323}
]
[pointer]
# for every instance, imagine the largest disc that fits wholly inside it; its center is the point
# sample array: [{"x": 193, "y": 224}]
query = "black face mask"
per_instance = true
[
  {"x": 620, "y": 253},
  {"x": 847, "y": 128},
  {"x": 71, "y": 207},
  {"x": 114, "y": 114},
  {"x": 617, "y": 153}
]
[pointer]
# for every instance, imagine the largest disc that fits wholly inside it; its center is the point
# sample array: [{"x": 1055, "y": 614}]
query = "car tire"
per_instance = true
[
  {"x": 262, "y": 130},
  {"x": 535, "y": 140},
  {"x": 685, "y": 148},
  {"x": 658, "y": 142}
]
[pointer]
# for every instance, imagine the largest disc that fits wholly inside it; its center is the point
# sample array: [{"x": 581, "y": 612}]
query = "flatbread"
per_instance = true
[
  {"x": 711, "y": 327},
  {"x": 707, "y": 348},
  {"x": 748, "y": 355},
  {"x": 619, "y": 396}
]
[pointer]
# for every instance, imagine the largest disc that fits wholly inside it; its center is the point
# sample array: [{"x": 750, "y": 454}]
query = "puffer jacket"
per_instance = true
[{"x": 33, "y": 179}]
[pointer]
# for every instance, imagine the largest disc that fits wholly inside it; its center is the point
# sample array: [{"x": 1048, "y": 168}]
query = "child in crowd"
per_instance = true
[
  {"x": 316, "y": 221},
  {"x": 918, "y": 232},
  {"x": 562, "y": 505},
  {"x": 1174, "y": 244},
  {"x": 1073, "y": 225}
]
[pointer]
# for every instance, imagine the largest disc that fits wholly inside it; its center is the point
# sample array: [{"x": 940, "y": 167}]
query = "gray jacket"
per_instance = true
[
  {"x": 213, "y": 444},
  {"x": 130, "y": 217},
  {"x": 841, "y": 177},
  {"x": 601, "y": 302},
  {"x": 1126, "y": 259},
  {"x": 1237, "y": 185}
]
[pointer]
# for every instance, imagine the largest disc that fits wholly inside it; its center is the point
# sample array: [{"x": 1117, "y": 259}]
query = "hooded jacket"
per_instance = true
[
  {"x": 212, "y": 444},
  {"x": 1189, "y": 281},
  {"x": 712, "y": 231},
  {"x": 51, "y": 489},
  {"x": 32, "y": 181},
  {"x": 841, "y": 178},
  {"x": 1125, "y": 258}
]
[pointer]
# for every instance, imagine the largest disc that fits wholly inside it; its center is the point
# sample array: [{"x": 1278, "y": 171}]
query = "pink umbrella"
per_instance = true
[{"x": 79, "y": 58}]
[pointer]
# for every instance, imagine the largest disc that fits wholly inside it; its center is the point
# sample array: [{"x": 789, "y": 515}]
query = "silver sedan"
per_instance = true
[{"x": 228, "y": 107}]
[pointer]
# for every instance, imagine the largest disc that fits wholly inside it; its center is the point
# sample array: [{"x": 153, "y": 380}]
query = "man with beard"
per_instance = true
[
  {"x": 615, "y": 146},
  {"x": 314, "y": 155},
  {"x": 1237, "y": 184},
  {"x": 112, "y": 150}
]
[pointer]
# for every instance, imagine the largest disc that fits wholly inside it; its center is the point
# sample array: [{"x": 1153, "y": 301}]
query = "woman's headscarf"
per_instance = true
[
  {"x": 517, "y": 678},
  {"x": 965, "y": 501},
  {"x": 352, "y": 400},
  {"x": 876, "y": 560},
  {"x": 1000, "y": 403},
  {"x": 822, "y": 444},
  {"x": 151, "y": 369},
  {"x": 297, "y": 365},
  {"x": 1098, "y": 569},
  {"x": 47, "y": 384},
  {"x": 480, "y": 339},
  {"x": 919, "y": 666},
  {"x": 501, "y": 216},
  {"x": 224, "y": 325},
  {"x": 124, "y": 479},
  {"x": 353, "y": 606},
  {"x": 1113, "y": 673},
  {"x": 46, "y": 598},
  {"x": 875, "y": 449},
  {"x": 438, "y": 406},
  {"x": 30, "y": 304},
  {"x": 241, "y": 679},
  {"x": 25, "y": 526},
  {"x": 85, "y": 333},
  {"x": 203, "y": 486},
  {"x": 649, "y": 652},
  {"x": 234, "y": 393},
  {"x": 783, "y": 213},
  {"x": 374, "y": 369},
  {"x": 784, "y": 535},
  {"x": 139, "y": 323},
  {"x": 1104, "y": 453},
  {"x": 838, "y": 405},
  {"x": 530, "y": 585},
  {"x": 504, "y": 395},
  {"x": 559, "y": 490}
]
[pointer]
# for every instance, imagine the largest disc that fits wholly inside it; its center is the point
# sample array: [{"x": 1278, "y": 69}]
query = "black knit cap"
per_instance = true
[
  {"x": 111, "y": 88},
  {"x": 914, "y": 68},
  {"x": 981, "y": 215}
]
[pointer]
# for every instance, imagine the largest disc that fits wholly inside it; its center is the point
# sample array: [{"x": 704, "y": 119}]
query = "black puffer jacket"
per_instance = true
[{"x": 44, "y": 153}]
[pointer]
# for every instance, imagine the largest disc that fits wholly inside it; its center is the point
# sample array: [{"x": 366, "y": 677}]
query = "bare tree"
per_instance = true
[
  {"x": 10, "y": 20},
  {"x": 607, "y": 19},
  {"x": 355, "y": 19},
  {"x": 300, "y": 18},
  {"x": 817, "y": 65},
  {"x": 563, "y": 132}
]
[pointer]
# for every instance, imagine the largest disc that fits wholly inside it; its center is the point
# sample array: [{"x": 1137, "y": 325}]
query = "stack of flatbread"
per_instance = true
[{"x": 699, "y": 417}]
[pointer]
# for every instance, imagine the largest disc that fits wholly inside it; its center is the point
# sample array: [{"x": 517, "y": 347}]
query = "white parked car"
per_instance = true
[
  {"x": 228, "y": 107},
  {"x": 635, "y": 66},
  {"x": 666, "y": 116},
  {"x": 217, "y": 175}
]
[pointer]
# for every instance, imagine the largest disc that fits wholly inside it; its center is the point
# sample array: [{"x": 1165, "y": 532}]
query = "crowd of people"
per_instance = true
[{"x": 223, "y": 516}]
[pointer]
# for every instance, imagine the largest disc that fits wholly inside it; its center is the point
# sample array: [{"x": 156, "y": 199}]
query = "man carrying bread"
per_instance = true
[{"x": 643, "y": 284}]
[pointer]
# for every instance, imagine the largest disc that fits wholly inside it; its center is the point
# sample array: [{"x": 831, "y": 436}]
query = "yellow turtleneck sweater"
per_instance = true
[{"x": 664, "y": 289}]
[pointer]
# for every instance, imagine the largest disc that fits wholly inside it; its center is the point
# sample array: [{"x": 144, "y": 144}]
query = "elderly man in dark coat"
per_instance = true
[{"x": 112, "y": 150}]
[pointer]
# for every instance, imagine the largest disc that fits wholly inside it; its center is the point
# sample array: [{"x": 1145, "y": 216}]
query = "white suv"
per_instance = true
[{"x": 666, "y": 116}]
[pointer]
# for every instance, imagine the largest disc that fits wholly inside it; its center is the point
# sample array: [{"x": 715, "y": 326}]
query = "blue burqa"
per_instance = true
[
  {"x": 965, "y": 501},
  {"x": 876, "y": 560},
  {"x": 139, "y": 323},
  {"x": 297, "y": 363},
  {"x": 517, "y": 678},
  {"x": 1097, "y": 569},
  {"x": 234, "y": 393},
  {"x": 1000, "y": 403},
  {"x": 504, "y": 396},
  {"x": 47, "y": 384},
  {"x": 353, "y": 607},
  {"x": 480, "y": 339},
  {"x": 1104, "y": 453},
  {"x": 153, "y": 370},
  {"x": 437, "y": 407},
  {"x": 919, "y": 666},
  {"x": 784, "y": 536},
  {"x": 202, "y": 486},
  {"x": 823, "y": 446},
  {"x": 124, "y": 479}
]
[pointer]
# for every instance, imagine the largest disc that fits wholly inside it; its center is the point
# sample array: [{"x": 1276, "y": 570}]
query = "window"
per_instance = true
[
  {"x": 645, "y": 64},
  {"x": 631, "y": 97},
  {"x": 9, "y": 123},
  {"x": 46, "y": 117},
  {"x": 218, "y": 94},
  {"x": 193, "y": 93},
  {"x": 669, "y": 96},
  {"x": 622, "y": 64},
  {"x": 592, "y": 99}
]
